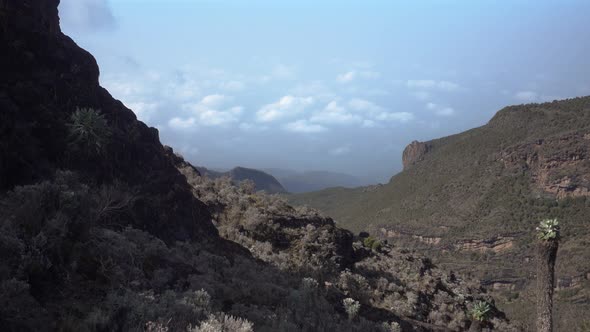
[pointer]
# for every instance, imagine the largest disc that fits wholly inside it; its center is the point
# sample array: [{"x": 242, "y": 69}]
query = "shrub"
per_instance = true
[
  {"x": 372, "y": 243},
  {"x": 223, "y": 323},
  {"x": 351, "y": 307},
  {"x": 89, "y": 130}
]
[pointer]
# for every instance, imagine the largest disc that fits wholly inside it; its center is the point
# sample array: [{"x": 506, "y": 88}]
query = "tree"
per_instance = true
[{"x": 548, "y": 236}]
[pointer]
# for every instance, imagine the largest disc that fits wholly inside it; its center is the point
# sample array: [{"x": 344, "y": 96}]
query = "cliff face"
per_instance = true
[
  {"x": 45, "y": 78},
  {"x": 558, "y": 165},
  {"x": 414, "y": 153}
]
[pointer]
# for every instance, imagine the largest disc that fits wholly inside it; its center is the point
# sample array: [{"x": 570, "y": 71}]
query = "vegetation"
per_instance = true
[
  {"x": 483, "y": 184},
  {"x": 548, "y": 230},
  {"x": 89, "y": 130},
  {"x": 480, "y": 311},
  {"x": 548, "y": 234},
  {"x": 351, "y": 307}
]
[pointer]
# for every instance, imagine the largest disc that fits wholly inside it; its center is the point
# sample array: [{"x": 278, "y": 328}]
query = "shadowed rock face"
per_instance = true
[
  {"x": 414, "y": 153},
  {"x": 45, "y": 78}
]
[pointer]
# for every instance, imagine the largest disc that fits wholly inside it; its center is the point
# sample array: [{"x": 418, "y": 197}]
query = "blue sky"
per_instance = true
[{"x": 328, "y": 85}]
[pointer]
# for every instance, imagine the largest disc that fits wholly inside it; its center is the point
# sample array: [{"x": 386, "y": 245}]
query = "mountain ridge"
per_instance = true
[{"x": 459, "y": 193}]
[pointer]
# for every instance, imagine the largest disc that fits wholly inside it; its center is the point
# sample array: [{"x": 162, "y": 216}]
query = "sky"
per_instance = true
[{"x": 341, "y": 85}]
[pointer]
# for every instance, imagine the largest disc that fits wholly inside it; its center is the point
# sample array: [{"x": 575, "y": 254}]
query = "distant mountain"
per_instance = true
[
  {"x": 262, "y": 180},
  {"x": 473, "y": 200},
  {"x": 300, "y": 182}
]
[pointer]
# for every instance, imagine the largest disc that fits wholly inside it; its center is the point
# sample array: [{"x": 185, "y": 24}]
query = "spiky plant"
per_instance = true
[
  {"x": 548, "y": 230},
  {"x": 89, "y": 130},
  {"x": 480, "y": 311},
  {"x": 548, "y": 233}
]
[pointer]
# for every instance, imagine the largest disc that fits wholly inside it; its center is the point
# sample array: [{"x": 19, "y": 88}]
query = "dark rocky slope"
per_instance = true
[{"x": 112, "y": 237}]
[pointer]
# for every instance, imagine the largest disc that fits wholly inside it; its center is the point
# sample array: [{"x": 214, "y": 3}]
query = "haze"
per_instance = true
[{"x": 340, "y": 86}]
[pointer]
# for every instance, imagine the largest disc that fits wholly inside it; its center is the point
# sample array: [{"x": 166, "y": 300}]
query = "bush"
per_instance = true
[
  {"x": 223, "y": 323},
  {"x": 372, "y": 243}
]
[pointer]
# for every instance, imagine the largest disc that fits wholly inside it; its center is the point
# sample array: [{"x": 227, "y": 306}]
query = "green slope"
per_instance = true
[{"x": 488, "y": 182}]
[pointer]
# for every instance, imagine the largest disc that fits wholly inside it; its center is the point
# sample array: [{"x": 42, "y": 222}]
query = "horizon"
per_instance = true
[{"x": 340, "y": 87}]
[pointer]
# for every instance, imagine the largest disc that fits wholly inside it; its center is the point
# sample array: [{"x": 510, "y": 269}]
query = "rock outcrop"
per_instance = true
[
  {"x": 557, "y": 164},
  {"x": 414, "y": 153}
]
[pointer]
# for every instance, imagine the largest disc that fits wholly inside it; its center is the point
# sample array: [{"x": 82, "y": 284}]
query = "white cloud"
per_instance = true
[
  {"x": 432, "y": 84},
  {"x": 303, "y": 126},
  {"x": 180, "y": 123},
  {"x": 446, "y": 111},
  {"x": 346, "y": 77},
  {"x": 209, "y": 111},
  {"x": 215, "y": 100},
  {"x": 143, "y": 111},
  {"x": 333, "y": 113},
  {"x": 340, "y": 151},
  {"x": 440, "y": 110},
  {"x": 527, "y": 96},
  {"x": 402, "y": 117},
  {"x": 363, "y": 105},
  {"x": 287, "y": 106}
]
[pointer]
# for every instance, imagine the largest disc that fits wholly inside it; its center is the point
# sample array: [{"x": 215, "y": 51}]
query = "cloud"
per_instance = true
[
  {"x": 352, "y": 75},
  {"x": 210, "y": 110},
  {"x": 214, "y": 100},
  {"x": 86, "y": 14},
  {"x": 440, "y": 110},
  {"x": 346, "y": 77},
  {"x": 182, "y": 124},
  {"x": 333, "y": 113},
  {"x": 303, "y": 126},
  {"x": 526, "y": 96},
  {"x": 432, "y": 84},
  {"x": 363, "y": 105},
  {"x": 144, "y": 111},
  {"x": 402, "y": 117},
  {"x": 340, "y": 151},
  {"x": 286, "y": 107}
]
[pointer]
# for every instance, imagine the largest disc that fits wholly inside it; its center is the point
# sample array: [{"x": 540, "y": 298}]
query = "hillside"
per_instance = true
[
  {"x": 104, "y": 229},
  {"x": 300, "y": 182},
  {"x": 473, "y": 198},
  {"x": 262, "y": 180}
]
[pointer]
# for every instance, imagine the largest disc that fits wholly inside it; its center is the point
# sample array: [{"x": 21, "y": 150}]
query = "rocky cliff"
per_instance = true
[{"x": 414, "y": 153}]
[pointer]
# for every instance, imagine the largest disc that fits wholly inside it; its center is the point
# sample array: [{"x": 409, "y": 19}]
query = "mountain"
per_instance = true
[
  {"x": 300, "y": 182},
  {"x": 473, "y": 199},
  {"x": 261, "y": 180},
  {"x": 104, "y": 229}
]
